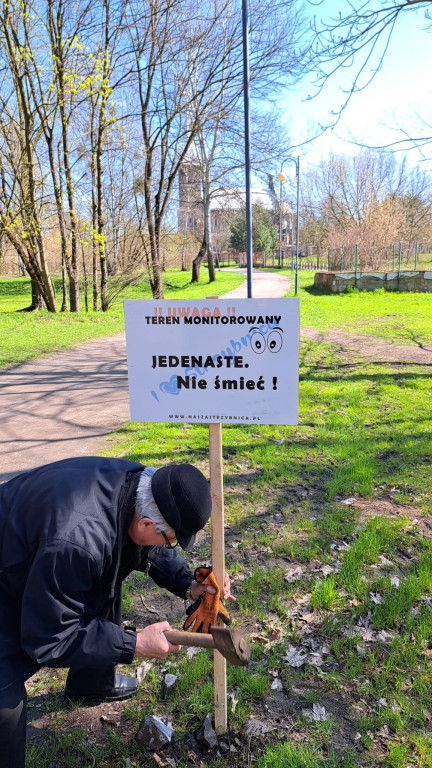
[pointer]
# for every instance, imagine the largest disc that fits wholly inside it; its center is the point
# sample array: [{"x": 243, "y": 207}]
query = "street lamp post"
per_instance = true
[
  {"x": 296, "y": 161},
  {"x": 249, "y": 253},
  {"x": 281, "y": 179}
]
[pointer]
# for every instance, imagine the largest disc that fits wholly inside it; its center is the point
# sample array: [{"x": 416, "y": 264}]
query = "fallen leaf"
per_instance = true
[
  {"x": 375, "y": 598},
  {"x": 164, "y": 761},
  {"x": 385, "y": 561},
  {"x": 191, "y": 652},
  {"x": 349, "y": 687},
  {"x": 308, "y": 617},
  {"x": 143, "y": 669},
  {"x": 319, "y": 647},
  {"x": 293, "y": 574},
  {"x": 294, "y": 656},
  {"x": 108, "y": 720},
  {"x": 317, "y": 713},
  {"x": 257, "y": 638},
  {"x": 234, "y": 701},
  {"x": 326, "y": 570}
]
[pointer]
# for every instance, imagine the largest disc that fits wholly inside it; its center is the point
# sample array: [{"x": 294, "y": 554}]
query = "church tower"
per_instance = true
[{"x": 190, "y": 215}]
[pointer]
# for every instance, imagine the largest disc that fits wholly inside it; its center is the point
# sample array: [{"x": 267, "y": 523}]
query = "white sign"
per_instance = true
[{"x": 213, "y": 360}]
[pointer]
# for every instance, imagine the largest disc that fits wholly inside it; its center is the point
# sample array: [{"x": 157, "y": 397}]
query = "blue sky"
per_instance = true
[{"x": 402, "y": 88}]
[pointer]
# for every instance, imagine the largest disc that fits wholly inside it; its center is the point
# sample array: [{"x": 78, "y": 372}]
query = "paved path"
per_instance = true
[
  {"x": 66, "y": 404},
  {"x": 265, "y": 285}
]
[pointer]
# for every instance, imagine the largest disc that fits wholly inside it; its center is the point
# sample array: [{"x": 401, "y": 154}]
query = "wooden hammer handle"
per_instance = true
[{"x": 191, "y": 639}]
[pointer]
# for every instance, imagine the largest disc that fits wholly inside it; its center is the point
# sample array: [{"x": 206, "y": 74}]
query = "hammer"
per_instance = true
[{"x": 229, "y": 642}]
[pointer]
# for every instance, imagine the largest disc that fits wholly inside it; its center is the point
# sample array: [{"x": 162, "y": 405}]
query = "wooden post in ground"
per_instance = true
[{"x": 218, "y": 562}]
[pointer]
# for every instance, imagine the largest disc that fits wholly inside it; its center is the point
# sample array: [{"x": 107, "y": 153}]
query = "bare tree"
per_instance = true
[
  {"x": 102, "y": 101},
  {"x": 21, "y": 199},
  {"x": 172, "y": 45},
  {"x": 357, "y": 37},
  {"x": 219, "y": 146},
  {"x": 368, "y": 199}
]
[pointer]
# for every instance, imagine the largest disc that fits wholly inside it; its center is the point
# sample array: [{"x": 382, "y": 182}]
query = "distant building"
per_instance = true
[
  {"x": 190, "y": 216},
  {"x": 226, "y": 205}
]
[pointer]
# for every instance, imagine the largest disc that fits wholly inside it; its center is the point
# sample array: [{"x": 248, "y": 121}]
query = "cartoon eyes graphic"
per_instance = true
[
  {"x": 259, "y": 343},
  {"x": 274, "y": 340}
]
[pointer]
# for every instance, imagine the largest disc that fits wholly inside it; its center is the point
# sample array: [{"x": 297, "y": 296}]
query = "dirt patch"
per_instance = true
[
  {"x": 370, "y": 348},
  {"x": 388, "y": 508}
]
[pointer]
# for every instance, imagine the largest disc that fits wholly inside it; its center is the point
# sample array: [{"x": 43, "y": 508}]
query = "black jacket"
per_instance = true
[{"x": 64, "y": 551}]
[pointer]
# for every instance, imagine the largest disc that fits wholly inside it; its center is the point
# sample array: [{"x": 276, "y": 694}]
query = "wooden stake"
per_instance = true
[{"x": 218, "y": 562}]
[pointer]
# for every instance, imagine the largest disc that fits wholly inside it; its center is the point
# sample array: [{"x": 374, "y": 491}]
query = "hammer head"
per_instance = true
[{"x": 231, "y": 644}]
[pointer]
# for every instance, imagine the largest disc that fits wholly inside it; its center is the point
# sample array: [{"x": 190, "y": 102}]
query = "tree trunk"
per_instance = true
[
  {"x": 199, "y": 258},
  {"x": 37, "y": 301},
  {"x": 156, "y": 277},
  {"x": 155, "y": 264},
  {"x": 85, "y": 278},
  {"x": 64, "y": 283},
  {"x": 95, "y": 275},
  {"x": 207, "y": 231},
  {"x": 95, "y": 250},
  {"x": 72, "y": 263},
  {"x": 100, "y": 168}
]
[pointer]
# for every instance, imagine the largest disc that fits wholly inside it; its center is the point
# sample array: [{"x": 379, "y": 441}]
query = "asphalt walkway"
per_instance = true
[{"x": 66, "y": 404}]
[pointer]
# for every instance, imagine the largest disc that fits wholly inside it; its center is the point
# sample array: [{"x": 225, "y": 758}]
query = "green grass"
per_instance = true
[
  {"x": 403, "y": 318},
  {"x": 325, "y": 594},
  {"x": 26, "y": 335},
  {"x": 361, "y": 429},
  {"x": 290, "y": 755},
  {"x": 308, "y": 571}
]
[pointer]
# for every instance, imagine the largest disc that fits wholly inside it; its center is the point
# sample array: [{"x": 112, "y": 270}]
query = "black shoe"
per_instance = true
[{"x": 124, "y": 687}]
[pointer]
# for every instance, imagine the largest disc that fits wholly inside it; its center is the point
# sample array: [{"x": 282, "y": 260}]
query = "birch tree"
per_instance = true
[{"x": 21, "y": 199}]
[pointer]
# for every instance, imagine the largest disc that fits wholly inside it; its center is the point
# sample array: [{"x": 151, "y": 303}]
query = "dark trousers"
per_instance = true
[
  {"x": 13, "y": 708},
  {"x": 13, "y": 697}
]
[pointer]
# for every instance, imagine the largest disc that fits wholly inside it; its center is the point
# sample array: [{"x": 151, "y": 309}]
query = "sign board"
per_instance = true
[{"x": 215, "y": 360}]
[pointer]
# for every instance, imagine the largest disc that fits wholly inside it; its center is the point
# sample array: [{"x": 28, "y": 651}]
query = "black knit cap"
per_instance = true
[{"x": 182, "y": 495}]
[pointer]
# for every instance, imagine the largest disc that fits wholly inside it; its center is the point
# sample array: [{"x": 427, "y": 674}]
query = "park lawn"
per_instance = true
[
  {"x": 328, "y": 545},
  {"x": 344, "y": 588},
  {"x": 26, "y": 335},
  {"x": 329, "y": 548},
  {"x": 404, "y": 318}
]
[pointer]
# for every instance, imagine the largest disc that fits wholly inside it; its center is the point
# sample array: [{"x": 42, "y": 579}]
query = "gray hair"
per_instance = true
[{"x": 145, "y": 504}]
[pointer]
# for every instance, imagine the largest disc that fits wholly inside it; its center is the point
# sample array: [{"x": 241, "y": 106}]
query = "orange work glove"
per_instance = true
[{"x": 203, "y": 613}]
